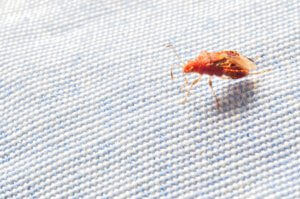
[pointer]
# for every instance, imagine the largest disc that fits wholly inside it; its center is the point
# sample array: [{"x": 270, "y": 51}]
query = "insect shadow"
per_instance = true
[{"x": 237, "y": 96}]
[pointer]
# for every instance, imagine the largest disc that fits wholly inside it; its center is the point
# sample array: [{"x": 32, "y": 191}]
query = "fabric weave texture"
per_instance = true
[{"x": 88, "y": 108}]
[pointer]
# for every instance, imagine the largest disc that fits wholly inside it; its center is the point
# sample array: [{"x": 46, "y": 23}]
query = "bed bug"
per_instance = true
[{"x": 226, "y": 64}]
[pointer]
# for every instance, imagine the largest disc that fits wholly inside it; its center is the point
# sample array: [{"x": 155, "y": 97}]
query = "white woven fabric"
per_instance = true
[{"x": 88, "y": 109}]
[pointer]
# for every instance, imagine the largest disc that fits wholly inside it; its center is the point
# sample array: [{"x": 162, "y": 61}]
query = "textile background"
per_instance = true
[{"x": 88, "y": 108}]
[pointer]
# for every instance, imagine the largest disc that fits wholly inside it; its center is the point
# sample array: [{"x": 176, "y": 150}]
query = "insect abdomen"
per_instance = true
[{"x": 235, "y": 73}]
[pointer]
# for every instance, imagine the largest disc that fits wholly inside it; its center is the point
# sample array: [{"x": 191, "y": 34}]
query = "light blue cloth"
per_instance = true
[{"x": 88, "y": 108}]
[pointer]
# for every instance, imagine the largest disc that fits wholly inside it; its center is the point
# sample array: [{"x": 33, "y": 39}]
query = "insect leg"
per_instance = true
[
  {"x": 193, "y": 84},
  {"x": 251, "y": 59},
  {"x": 186, "y": 83},
  {"x": 184, "y": 86},
  {"x": 254, "y": 59},
  {"x": 188, "y": 90},
  {"x": 213, "y": 91}
]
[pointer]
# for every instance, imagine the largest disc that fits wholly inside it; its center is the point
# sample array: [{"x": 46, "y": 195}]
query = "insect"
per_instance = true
[{"x": 225, "y": 64}]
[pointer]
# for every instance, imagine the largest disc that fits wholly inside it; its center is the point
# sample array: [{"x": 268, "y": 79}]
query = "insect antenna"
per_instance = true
[
  {"x": 184, "y": 88},
  {"x": 178, "y": 57}
]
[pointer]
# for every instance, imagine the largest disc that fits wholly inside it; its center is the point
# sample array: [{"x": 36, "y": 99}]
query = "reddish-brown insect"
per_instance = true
[{"x": 225, "y": 64}]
